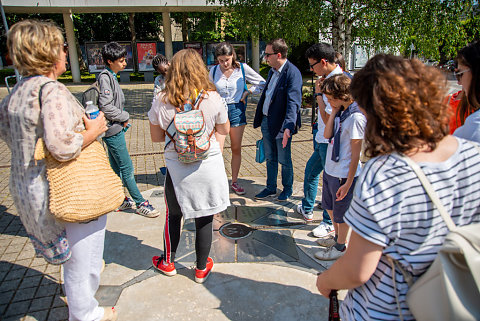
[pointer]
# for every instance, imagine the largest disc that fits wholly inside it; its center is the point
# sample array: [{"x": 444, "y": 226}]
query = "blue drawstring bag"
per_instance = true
[{"x": 260, "y": 154}]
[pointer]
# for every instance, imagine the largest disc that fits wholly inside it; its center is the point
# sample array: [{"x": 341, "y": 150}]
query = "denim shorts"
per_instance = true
[
  {"x": 329, "y": 190},
  {"x": 236, "y": 114}
]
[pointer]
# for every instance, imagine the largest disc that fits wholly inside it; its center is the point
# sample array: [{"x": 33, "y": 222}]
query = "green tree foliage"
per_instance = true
[
  {"x": 436, "y": 27},
  {"x": 208, "y": 26},
  {"x": 296, "y": 21}
]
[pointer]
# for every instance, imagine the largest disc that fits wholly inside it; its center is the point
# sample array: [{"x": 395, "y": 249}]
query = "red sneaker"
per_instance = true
[
  {"x": 168, "y": 269},
  {"x": 202, "y": 275},
  {"x": 237, "y": 188}
]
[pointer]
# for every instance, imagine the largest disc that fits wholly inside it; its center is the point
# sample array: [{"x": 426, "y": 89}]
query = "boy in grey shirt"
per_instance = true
[{"x": 111, "y": 101}]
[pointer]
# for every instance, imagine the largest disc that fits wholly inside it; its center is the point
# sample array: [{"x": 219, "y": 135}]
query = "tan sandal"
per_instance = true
[{"x": 110, "y": 314}]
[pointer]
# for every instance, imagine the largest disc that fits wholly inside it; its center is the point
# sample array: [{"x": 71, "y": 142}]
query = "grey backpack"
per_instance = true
[{"x": 92, "y": 93}]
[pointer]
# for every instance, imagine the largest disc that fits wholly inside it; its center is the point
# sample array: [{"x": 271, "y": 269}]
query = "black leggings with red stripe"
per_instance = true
[{"x": 171, "y": 234}]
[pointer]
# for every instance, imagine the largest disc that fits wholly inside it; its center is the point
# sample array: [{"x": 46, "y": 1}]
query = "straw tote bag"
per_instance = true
[{"x": 83, "y": 188}]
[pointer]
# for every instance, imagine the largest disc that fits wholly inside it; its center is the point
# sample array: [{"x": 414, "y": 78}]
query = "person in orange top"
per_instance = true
[{"x": 453, "y": 101}]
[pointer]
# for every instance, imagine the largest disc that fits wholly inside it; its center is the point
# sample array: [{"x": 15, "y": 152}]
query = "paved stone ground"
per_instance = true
[{"x": 29, "y": 287}]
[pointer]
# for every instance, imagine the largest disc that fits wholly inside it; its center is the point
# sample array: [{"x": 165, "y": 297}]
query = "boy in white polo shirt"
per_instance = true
[{"x": 345, "y": 129}]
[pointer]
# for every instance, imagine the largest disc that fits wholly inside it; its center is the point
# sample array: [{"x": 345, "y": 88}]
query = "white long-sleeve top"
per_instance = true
[{"x": 231, "y": 88}]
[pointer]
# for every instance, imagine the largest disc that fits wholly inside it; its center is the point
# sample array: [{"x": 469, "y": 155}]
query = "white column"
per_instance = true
[
  {"x": 72, "y": 46},
  {"x": 167, "y": 35},
  {"x": 256, "y": 53}
]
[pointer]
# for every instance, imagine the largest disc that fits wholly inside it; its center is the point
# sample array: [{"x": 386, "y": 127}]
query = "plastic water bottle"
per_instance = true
[{"x": 91, "y": 110}]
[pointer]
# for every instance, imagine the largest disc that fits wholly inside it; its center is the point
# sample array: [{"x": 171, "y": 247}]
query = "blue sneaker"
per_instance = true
[
  {"x": 264, "y": 194},
  {"x": 284, "y": 196}
]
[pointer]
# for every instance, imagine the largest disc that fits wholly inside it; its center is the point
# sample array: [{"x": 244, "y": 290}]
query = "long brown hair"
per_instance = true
[
  {"x": 186, "y": 74},
  {"x": 470, "y": 57},
  {"x": 226, "y": 49},
  {"x": 404, "y": 102}
]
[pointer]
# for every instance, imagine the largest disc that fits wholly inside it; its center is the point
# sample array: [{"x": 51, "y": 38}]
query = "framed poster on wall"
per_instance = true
[
  {"x": 129, "y": 57},
  {"x": 195, "y": 46},
  {"x": 94, "y": 56},
  {"x": 241, "y": 51},
  {"x": 210, "y": 49},
  {"x": 146, "y": 51}
]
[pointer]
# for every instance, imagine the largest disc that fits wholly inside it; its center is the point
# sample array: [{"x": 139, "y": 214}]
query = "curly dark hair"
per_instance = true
[
  {"x": 158, "y": 60},
  {"x": 404, "y": 102}
]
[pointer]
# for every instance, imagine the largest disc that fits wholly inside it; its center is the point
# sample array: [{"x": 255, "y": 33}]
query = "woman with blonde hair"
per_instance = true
[
  {"x": 198, "y": 189},
  {"x": 41, "y": 107}
]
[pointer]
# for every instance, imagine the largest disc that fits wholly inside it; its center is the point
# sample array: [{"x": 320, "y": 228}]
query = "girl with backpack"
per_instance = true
[
  {"x": 230, "y": 78},
  {"x": 194, "y": 187}
]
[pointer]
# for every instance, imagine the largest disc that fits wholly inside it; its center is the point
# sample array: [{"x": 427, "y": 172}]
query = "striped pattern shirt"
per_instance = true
[{"x": 390, "y": 208}]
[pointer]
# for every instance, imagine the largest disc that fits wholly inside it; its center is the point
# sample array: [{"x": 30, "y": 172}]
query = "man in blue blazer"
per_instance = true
[{"x": 278, "y": 114}]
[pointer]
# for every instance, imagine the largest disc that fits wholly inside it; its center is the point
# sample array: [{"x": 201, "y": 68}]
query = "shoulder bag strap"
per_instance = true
[
  {"x": 436, "y": 200},
  {"x": 244, "y": 79},
  {"x": 214, "y": 72},
  {"x": 40, "y": 92},
  {"x": 430, "y": 191},
  {"x": 443, "y": 212}
]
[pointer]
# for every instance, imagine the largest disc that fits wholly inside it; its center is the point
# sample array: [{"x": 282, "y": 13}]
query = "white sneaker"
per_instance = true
[
  {"x": 306, "y": 216},
  {"x": 323, "y": 230},
  {"x": 326, "y": 242},
  {"x": 329, "y": 254}
]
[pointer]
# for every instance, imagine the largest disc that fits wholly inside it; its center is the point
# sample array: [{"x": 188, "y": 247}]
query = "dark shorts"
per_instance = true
[
  {"x": 330, "y": 187},
  {"x": 236, "y": 114}
]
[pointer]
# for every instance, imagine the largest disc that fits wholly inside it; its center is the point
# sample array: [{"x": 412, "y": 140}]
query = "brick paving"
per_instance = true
[{"x": 29, "y": 287}]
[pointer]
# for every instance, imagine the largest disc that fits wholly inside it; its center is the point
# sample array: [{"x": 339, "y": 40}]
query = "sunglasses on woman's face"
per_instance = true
[
  {"x": 459, "y": 74},
  {"x": 65, "y": 47}
]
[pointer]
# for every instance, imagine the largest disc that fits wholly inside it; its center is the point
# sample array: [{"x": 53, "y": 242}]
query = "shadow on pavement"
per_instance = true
[
  {"x": 28, "y": 292},
  {"x": 246, "y": 299}
]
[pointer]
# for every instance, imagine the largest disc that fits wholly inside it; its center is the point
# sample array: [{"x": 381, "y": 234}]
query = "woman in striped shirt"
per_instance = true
[{"x": 390, "y": 213}]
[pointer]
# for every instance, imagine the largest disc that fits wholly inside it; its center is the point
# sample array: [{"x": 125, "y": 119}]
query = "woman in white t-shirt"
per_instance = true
[
  {"x": 195, "y": 190},
  {"x": 390, "y": 213},
  {"x": 230, "y": 78}
]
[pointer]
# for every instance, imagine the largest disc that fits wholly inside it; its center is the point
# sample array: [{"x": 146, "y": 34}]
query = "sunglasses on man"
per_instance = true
[{"x": 268, "y": 54}]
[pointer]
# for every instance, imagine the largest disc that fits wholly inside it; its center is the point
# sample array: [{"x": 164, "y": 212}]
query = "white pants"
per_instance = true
[{"x": 82, "y": 270}]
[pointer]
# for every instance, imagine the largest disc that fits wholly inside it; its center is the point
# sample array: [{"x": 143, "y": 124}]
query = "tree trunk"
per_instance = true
[
  {"x": 348, "y": 44},
  {"x": 338, "y": 26},
  {"x": 131, "y": 25},
  {"x": 82, "y": 63},
  {"x": 184, "y": 27}
]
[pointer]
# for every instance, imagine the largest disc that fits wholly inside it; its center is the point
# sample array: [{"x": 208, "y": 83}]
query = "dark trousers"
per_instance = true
[{"x": 173, "y": 223}]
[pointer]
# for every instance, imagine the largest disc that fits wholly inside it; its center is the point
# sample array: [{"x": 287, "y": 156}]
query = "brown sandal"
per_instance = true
[{"x": 110, "y": 314}]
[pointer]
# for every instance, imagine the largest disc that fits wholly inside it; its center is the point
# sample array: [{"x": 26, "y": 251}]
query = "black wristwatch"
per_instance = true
[{"x": 317, "y": 94}]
